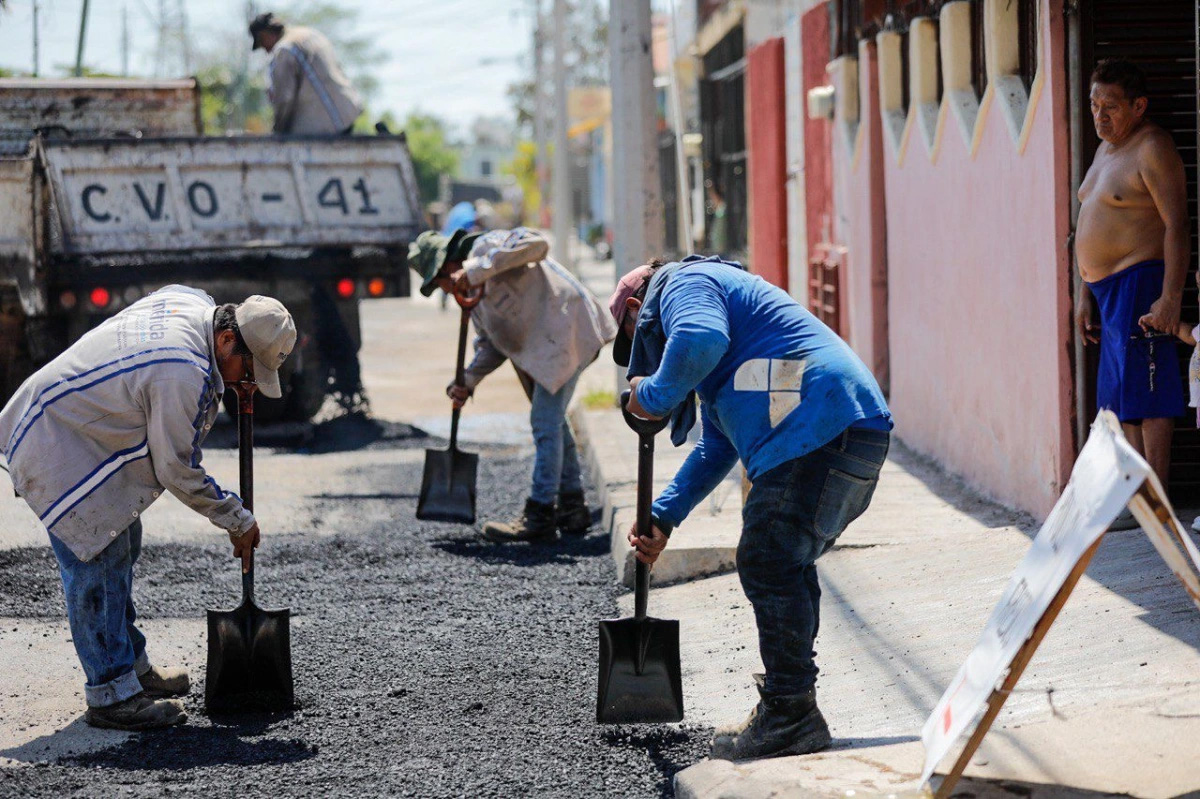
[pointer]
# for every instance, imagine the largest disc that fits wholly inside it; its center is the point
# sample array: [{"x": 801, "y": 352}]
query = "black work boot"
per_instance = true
[
  {"x": 574, "y": 517},
  {"x": 138, "y": 712},
  {"x": 536, "y": 523},
  {"x": 163, "y": 681},
  {"x": 778, "y": 725}
]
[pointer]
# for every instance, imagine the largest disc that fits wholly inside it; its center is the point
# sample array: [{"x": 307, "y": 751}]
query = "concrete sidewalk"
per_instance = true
[{"x": 1110, "y": 704}]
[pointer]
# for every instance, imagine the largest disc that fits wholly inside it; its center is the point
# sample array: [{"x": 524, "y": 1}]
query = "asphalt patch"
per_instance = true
[
  {"x": 345, "y": 433},
  {"x": 428, "y": 663}
]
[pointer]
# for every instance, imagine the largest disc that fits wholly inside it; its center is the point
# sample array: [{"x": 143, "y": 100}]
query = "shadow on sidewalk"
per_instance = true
[
  {"x": 1126, "y": 563},
  {"x": 977, "y": 788},
  {"x": 173, "y": 749}
]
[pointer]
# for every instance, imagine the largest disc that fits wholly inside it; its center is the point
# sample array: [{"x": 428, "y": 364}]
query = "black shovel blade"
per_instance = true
[
  {"x": 249, "y": 661},
  {"x": 448, "y": 486},
  {"x": 640, "y": 678}
]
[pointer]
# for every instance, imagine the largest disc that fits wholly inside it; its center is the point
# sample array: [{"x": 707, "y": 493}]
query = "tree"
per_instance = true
[
  {"x": 586, "y": 58},
  {"x": 432, "y": 154},
  {"x": 524, "y": 169}
]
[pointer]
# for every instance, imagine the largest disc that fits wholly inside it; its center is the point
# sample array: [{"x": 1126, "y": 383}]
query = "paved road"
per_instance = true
[{"x": 427, "y": 662}]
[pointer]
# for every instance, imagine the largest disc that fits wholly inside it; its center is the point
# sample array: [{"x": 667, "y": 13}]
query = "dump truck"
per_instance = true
[{"x": 109, "y": 190}]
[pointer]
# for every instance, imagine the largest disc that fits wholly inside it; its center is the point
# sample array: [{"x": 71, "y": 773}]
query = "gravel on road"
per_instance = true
[{"x": 428, "y": 662}]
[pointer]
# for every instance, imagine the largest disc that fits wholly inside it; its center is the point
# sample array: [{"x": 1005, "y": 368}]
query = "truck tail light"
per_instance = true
[
  {"x": 67, "y": 300},
  {"x": 376, "y": 286},
  {"x": 345, "y": 288},
  {"x": 100, "y": 297}
]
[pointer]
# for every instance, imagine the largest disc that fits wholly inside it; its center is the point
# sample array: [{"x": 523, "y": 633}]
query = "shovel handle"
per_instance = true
[
  {"x": 645, "y": 429},
  {"x": 469, "y": 300},
  {"x": 245, "y": 394},
  {"x": 459, "y": 369},
  {"x": 637, "y": 424}
]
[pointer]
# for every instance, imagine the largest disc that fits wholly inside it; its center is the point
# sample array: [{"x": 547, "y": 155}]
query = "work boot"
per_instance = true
[
  {"x": 162, "y": 682},
  {"x": 138, "y": 712},
  {"x": 574, "y": 517},
  {"x": 778, "y": 725},
  {"x": 536, "y": 523}
]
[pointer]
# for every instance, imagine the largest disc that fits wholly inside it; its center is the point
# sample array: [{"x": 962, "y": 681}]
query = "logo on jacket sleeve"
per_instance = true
[{"x": 780, "y": 378}]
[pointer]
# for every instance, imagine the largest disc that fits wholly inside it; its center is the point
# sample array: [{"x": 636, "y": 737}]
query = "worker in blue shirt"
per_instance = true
[{"x": 782, "y": 392}]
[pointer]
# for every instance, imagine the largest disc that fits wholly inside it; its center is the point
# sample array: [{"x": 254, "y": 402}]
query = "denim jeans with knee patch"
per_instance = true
[
  {"x": 793, "y": 515},
  {"x": 99, "y": 596}
]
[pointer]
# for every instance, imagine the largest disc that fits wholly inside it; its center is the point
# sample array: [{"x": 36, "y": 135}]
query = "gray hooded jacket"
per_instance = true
[{"x": 94, "y": 436}]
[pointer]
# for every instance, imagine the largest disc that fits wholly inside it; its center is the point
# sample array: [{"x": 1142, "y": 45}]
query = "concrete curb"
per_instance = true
[{"x": 707, "y": 547}]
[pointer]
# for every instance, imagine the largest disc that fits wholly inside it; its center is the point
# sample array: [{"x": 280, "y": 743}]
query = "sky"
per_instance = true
[{"x": 453, "y": 58}]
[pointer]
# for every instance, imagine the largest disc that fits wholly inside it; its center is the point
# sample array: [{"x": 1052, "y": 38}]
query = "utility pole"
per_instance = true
[
  {"x": 539, "y": 110},
  {"x": 562, "y": 157},
  {"x": 638, "y": 228},
  {"x": 185, "y": 36},
  {"x": 36, "y": 57},
  {"x": 683, "y": 193},
  {"x": 125, "y": 41},
  {"x": 83, "y": 15}
]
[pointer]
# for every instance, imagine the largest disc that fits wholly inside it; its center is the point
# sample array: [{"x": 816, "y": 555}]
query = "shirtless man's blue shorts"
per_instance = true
[{"x": 1139, "y": 374}]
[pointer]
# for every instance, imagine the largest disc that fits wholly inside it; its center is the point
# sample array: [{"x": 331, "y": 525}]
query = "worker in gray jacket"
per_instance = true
[
  {"x": 95, "y": 436},
  {"x": 538, "y": 315},
  {"x": 308, "y": 90}
]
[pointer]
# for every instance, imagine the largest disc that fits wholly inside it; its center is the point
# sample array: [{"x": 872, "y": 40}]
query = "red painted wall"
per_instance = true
[
  {"x": 767, "y": 161},
  {"x": 818, "y": 159}
]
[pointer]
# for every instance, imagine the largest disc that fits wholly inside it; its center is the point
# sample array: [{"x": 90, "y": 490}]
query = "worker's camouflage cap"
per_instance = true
[{"x": 431, "y": 250}]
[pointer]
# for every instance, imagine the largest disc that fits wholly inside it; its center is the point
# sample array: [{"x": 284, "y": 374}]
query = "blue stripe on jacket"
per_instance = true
[
  {"x": 10, "y": 449},
  {"x": 110, "y": 459}
]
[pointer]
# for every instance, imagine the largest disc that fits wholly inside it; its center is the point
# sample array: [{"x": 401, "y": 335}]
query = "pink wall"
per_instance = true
[
  {"x": 978, "y": 304},
  {"x": 862, "y": 226}
]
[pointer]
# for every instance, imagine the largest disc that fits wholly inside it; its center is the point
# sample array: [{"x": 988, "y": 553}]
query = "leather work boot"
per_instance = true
[
  {"x": 159, "y": 682},
  {"x": 574, "y": 517},
  {"x": 536, "y": 523},
  {"x": 778, "y": 725},
  {"x": 138, "y": 712}
]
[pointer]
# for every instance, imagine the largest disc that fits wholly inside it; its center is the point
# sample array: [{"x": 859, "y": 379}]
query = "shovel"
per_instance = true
[
  {"x": 640, "y": 677},
  {"x": 448, "y": 485},
  {"x": 249, "y": 649}
]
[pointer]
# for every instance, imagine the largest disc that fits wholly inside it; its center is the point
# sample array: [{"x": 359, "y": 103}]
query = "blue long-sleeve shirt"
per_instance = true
[{"x": 774, "y": 382}]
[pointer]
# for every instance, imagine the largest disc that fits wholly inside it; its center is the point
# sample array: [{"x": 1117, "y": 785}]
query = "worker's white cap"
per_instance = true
[{"x": 269, "y": 332}]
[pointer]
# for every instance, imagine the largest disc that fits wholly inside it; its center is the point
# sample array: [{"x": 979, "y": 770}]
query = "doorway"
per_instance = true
[{"x": 1161, "y": 38}]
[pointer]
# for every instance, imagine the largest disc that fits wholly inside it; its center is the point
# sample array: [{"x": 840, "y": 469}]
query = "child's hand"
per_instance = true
[{"x": 1185, "y": 334}]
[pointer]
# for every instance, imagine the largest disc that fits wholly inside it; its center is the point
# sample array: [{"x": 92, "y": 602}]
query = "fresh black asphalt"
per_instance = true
[{"x": 428, "y": 663}]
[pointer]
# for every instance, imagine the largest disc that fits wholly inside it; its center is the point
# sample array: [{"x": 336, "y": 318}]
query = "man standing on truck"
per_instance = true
[
  {"x": 308, "y": 90},
  {"x": 94, "y": 437},
  {"x": 1133, "y": 247},
  {"x": 538, "y": 315}
]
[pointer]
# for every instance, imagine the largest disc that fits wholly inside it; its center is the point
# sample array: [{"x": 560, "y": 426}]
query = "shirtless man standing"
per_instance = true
[{"x": 1133, "y": 244}]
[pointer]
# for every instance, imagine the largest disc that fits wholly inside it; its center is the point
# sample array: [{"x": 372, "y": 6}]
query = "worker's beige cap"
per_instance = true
[{"x": 269, "y": 332}]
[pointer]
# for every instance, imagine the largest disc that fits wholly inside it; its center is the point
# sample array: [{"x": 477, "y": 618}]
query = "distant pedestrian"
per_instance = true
[
  {"x": 718, "y": 226},
  {"x": 782, "y": 393},
  {"x": 538, "y": 315},
  {"x": 1133, "y": 246},
  {"x": 308, "y": 90},
  {"x": 95, "y": 436}
]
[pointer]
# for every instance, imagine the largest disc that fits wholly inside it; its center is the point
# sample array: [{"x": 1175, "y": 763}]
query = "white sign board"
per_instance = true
[{"x": 1106, "y": 475}]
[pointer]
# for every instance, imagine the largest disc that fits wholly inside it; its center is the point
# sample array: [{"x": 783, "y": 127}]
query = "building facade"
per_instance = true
[{"x": 911, "y": 171}]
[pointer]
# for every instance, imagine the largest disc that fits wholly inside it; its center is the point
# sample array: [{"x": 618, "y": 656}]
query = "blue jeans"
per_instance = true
[
  {"x": 555, "y": 461},
  {"x": 793, "y": 515},
  {"x": 99, "y": 595}
]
